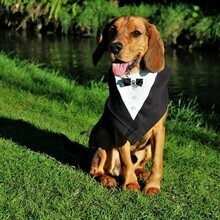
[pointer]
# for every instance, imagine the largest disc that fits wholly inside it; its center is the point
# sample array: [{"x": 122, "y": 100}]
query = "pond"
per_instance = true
[{"x": 194, "y": 74}]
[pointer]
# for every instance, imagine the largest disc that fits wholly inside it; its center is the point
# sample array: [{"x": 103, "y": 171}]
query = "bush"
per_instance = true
[
  {"x": 172, "y": 21},
  {"x": 205, "y": 31},
  {"x": 94, "y": 14},
  {"x": 179, "y": 24}
]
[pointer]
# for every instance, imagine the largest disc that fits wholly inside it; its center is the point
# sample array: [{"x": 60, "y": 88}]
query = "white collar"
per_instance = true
[{"x": 134, "y": 96}]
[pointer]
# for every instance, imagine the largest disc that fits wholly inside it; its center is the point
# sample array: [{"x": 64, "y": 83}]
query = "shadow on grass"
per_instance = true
[{"x": 53, "y": 144}]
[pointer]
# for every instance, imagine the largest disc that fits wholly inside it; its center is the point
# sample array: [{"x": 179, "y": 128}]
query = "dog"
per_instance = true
[{"x": 131, "y": 130}]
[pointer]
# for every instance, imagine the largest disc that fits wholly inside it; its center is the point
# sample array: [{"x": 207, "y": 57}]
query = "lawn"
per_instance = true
[{"x": 45, "y": 120}]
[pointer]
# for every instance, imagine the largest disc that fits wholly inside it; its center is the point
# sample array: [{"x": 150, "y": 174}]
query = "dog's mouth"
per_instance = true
[{"x": 120, "y": 67}]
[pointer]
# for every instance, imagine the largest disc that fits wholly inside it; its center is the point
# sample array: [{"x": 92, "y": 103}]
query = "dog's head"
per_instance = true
[{"x": 133, "y": 43}]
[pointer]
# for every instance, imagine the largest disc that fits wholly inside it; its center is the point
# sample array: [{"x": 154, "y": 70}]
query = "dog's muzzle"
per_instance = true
[{"x": 116, "y": 47}]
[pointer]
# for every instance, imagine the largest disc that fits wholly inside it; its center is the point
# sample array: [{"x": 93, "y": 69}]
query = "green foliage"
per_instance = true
[
  {"x": 94, "y": 14},
  {"x": 172, "y": 21},
  {"x": 175, "y": 21},
  {"x": 144, "y": 10},
  {"x": 186, "y": 112},
  {"x": 188, "y": 23},
  {"x": 206, "y": 30},
  {"x": 59, "y": 12},
  {"x": 63, "y": 12}
]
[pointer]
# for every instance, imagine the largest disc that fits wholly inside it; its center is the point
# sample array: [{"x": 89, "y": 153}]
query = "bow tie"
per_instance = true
[{"x": 128, "y": 82}]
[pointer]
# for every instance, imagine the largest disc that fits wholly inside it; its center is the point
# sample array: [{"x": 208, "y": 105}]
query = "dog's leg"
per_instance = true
[
  {"x": 143, "y": 156},
  {"x": 128, "y": 174},
  {"x": 157, "y": 144},
  {"x": 98, "y": 162},
  {"x": 97, "y": 169},
  {"x": 130, "y": 179}
]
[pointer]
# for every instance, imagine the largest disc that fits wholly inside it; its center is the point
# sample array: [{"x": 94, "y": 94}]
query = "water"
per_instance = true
[{"x": 194, "y": 74}]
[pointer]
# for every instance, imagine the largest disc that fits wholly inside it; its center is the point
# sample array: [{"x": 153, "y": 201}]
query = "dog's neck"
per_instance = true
[
  {"x": 134, "y": 95},
  {"x": 139, "y": 73}
]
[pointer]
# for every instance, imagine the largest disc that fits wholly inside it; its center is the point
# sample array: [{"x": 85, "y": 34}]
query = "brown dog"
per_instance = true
[{"x": 131, "y": 131}]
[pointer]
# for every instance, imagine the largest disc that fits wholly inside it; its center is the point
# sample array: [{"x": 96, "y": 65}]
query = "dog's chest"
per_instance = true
[{"x": 135, "y": 95}]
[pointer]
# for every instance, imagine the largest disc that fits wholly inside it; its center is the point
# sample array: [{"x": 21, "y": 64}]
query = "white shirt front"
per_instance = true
[{"x": 134, "y": 96}]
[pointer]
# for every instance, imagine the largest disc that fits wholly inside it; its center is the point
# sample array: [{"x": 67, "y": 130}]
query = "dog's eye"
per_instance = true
[
  {"x": 113, "y": 30},
  {"x": 135, "y": 33}
]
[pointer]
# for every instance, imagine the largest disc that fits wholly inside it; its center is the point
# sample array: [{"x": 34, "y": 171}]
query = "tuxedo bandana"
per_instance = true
[
  {"x": 135, "y": 95},
  {"x": 134, "y": 109},
  {"x": 129, "y": 81}
]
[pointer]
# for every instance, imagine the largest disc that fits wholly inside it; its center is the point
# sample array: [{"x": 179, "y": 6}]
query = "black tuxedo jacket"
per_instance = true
[{"x": 117, "y": 115}]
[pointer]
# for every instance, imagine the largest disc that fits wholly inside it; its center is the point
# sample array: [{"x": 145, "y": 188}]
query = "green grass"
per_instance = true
[{"x": 44, "y": 118}]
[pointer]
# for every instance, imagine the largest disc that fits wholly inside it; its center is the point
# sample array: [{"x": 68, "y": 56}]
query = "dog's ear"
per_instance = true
[
  {"x": 102, "y": 46},
  {"x": 154, "y": 58}
]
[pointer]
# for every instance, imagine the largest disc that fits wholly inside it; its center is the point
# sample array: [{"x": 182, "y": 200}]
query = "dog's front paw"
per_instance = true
[
  {"x": 108, "y": 181},
  {"x": 131, "y": 186},
  {"x": 152, "y": 191}
]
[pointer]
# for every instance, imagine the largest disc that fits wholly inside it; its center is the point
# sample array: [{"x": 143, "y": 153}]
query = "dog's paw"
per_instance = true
[
  {"x": 108, "y": 181},
  {"x": 152, "y": 191},
  {"x": 142, "y": 174},
  {"x": 131, "y": 186}
]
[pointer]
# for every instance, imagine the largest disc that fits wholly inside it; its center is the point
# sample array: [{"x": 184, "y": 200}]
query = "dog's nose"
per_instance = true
[{"x": 116, "y": 47}]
